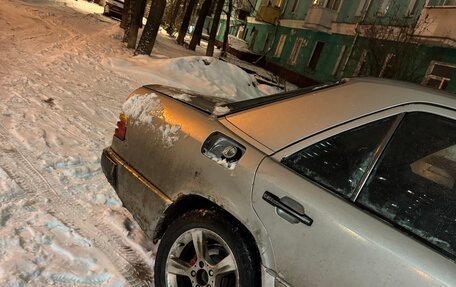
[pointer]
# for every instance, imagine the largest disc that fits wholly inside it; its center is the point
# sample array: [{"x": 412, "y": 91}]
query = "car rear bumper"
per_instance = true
[
  {"x": 109, "y": 167},
  {"x": 142, "y": 198}
]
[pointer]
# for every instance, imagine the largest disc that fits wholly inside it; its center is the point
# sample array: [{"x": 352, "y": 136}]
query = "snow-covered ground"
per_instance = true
[{"x": 64, "y": 76}]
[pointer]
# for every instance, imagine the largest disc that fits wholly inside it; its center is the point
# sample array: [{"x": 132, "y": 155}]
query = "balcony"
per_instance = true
[
  {"x": 320, "y": 17},
  {"x": 437, "y": 23},
  {"x": 268, "y": 14}
]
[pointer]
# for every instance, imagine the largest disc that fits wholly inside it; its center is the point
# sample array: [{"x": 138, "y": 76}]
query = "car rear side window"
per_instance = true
[
  {"x": 339, "y": 162},
  {"x": 414, "y": 184}
]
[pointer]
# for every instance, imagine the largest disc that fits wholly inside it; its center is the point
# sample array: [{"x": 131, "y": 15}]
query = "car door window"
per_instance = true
[
  {"x": 414, "y": 183},
  {"x": 339, "y": 162}
]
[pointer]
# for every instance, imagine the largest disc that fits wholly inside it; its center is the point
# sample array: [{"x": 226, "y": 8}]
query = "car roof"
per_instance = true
[{"x": 279, "y": 124}]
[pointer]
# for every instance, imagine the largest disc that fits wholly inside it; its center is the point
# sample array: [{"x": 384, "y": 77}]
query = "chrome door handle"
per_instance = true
[{"x": 276, "y": 201}]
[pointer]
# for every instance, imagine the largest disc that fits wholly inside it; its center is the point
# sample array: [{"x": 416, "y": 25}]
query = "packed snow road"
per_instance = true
[
  {"x": 64, "y": 76},
  {"x": 60, "y": 222}
]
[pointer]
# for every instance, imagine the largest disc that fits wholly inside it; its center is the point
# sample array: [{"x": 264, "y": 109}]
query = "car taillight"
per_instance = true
[{"x": 121, "y": 130}]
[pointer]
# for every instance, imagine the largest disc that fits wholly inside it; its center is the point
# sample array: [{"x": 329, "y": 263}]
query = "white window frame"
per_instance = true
[
  {"x": 339, "y": 61},
  {"x": 280, "y": 45},
  {"x": 295, "y": 52},
  {"x": 362, "y": 60},
  {"x": 386, "y": 62},
  {"x": 434, "y": 77}
]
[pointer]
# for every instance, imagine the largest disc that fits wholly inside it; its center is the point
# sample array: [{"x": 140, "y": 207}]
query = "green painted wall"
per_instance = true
[
  {"x": 300, "y": 12},
  {"x": 257, "y": 34}
]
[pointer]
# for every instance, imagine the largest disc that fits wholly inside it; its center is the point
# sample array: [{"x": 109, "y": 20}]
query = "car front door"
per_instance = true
[{"x": 305, "y": 196}]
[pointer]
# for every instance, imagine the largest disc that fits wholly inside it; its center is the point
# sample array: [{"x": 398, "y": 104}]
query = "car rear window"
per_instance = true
[{"x": 339, "y": 162}]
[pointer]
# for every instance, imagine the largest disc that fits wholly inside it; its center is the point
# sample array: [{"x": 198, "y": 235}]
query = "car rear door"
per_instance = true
[{"x": 305, "y": 196}]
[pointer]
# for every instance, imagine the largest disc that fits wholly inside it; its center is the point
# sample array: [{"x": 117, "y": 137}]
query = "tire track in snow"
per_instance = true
[{"x": 128, "y": 261}]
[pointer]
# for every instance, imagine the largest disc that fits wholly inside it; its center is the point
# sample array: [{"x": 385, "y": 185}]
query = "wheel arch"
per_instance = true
[{"x": 188, "y": 202}]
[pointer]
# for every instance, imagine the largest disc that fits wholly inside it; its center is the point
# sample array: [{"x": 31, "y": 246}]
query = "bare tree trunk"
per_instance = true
[
  {"x": 147, "y": 41},
  {"x": 136, "y": 19},
  {"x": 214, "y": 28},
  {"x": 126, "y": 10},
  {"x": 200, "y": 24},
  {"x": 185, "y": 22},
  {"x": 227, "y": 28},
  {"x": 175, "y": 12},
  {"x": 126, "y": 18},
  {"x": 141, "y": 12}
]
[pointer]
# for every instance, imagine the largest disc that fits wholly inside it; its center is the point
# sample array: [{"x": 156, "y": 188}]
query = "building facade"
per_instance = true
[{"x": 317, "y": 41}]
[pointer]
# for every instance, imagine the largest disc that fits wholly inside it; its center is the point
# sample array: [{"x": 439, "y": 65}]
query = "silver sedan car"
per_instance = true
[{"x": 350, "y": 184}]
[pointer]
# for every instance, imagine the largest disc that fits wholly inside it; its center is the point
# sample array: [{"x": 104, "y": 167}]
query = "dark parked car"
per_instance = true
[{"x": 351, "y": 184}]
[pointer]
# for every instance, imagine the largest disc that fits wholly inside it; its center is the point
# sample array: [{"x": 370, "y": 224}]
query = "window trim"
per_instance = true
[
  {"x": 386, "y": 62},
  {"x": 280, "y": 45},
  {"x": 343, "y": 53},
  {"x": 362, "y": 61},
  {"x": 376, "y": 156},
  {"x": 429, "y": 74},
  {"x": 293, "y": 59},
  {"x": 411, "y": 8},
  {"x": 313, "y": 54},
  {"x": 294, "y": 6},
  {"x": 362, "y": 7},
  {"x": 383, "y": 8}
]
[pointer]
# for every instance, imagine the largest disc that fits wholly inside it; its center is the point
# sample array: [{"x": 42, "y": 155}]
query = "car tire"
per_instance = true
[{"x": 224, "y": 257}]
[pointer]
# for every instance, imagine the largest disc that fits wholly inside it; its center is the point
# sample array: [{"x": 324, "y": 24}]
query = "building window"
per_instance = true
[
  {"x": 386, "y": 68},
  {"x": 333, "y": 4},
  {"x": 316, "y": 55},
  {"x": 384, "y": 6},
  {"x": 439, "y": 74},
  {"x": 267, "y": 42},
  {"x": 441, "y": 3},
  {"x": 361, "y": 63},
  {"x": 340, "y": 60},
  {"x": 219, "y": 28},
  {"x": 361, "y": 8},
  {"x": 411, "y": 9},
  {"x": 295, "y": 5},
  {"x": 278, "y": 3},
  {"x": 280, "y": 45},
  {"x": 295, "y": 52},
  {"x": 246, "y": 33}
]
